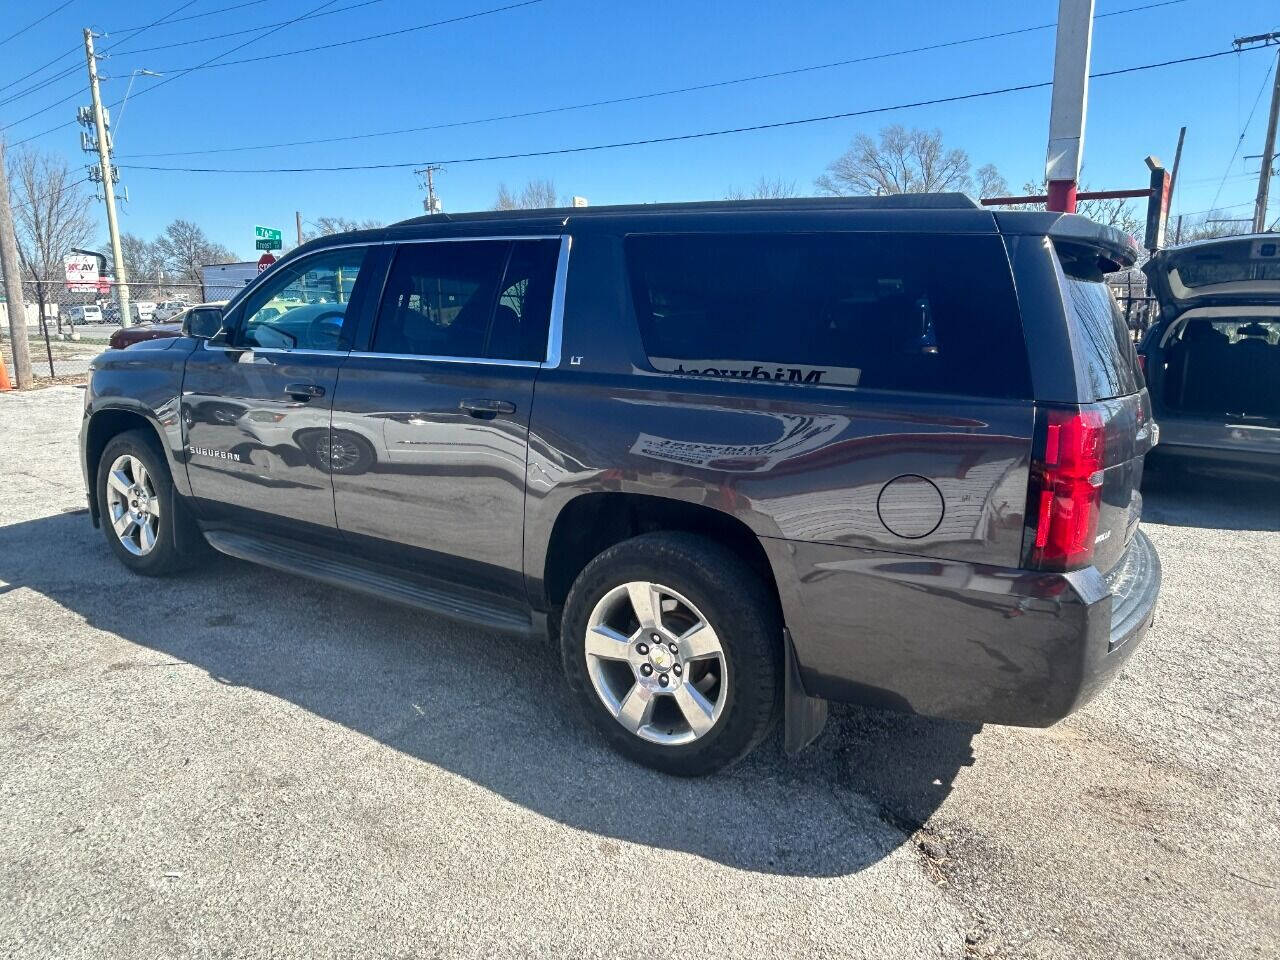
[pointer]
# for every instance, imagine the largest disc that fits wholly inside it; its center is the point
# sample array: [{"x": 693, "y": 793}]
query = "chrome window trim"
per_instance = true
[
  {"x": 226, "y": 348},
  {"x": 555, "y": 324},
  {"x": 489, "y": 361},
  {"x": 555, "y": 327}
]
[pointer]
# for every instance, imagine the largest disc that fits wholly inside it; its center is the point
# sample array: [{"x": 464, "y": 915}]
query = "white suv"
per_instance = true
[{"x": 169, "y": 309}]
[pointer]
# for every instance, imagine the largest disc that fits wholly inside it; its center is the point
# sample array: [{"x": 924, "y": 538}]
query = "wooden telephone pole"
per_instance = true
[{"x": 15, "y": 303}]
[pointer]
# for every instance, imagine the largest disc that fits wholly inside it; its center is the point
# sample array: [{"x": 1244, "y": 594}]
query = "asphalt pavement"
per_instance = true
[{"x": 234, "y": 762}]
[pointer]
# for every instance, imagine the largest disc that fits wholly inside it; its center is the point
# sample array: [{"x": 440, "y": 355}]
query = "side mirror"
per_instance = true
[{"x": 202, "y": 324}]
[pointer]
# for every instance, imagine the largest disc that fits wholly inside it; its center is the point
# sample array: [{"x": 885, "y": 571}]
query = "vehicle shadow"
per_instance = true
[
  {"x": 1217, "y": 500},
  {"x": 496, "y": 710}
]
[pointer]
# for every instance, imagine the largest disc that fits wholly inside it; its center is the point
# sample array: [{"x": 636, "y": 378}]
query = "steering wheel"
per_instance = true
[{"x": 323, "y": 330}]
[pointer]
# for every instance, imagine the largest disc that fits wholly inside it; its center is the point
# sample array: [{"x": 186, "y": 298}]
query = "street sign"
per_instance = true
[
  {"x": 268, "y": 238},
  {"x": 265, "y": 261}
]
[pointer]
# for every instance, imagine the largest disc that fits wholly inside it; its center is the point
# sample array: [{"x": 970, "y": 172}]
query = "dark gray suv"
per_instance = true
[{"x": 734, "y": 459}]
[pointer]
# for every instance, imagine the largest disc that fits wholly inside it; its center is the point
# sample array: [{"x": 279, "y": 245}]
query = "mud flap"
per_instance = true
[{"x": 803, "y": 716}]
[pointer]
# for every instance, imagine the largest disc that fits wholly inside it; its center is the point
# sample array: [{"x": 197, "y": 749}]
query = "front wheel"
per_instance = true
[
  {"x": 139, "y": 508},
  {"x": 673, "y": 647}
]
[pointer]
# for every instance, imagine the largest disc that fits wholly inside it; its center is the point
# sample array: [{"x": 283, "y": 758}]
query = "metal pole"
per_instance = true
[
  {"x": 1268, "y": 157},
  {"x": 16, "y": 303},
  {"x": 108, "y": 184},
  {"x": 1070, "y": 102},
  {"x": 297, "y": 219},
  {"x": 1177, "y": 162}
]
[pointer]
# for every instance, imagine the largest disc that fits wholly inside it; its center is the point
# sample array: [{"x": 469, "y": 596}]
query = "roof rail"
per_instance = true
[{"x": 899, "y": 201}]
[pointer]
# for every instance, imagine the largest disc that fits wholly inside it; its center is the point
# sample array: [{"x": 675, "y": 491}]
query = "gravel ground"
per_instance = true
[{"x": 236, "y": 762}]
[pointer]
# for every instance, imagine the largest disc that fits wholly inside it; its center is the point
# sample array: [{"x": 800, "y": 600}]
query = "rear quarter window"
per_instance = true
[
  {"x": 920, "y": 313},
  {"x": 1099, "y": 333}
]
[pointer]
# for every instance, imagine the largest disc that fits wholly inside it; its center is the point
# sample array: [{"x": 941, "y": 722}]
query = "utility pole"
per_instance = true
[
  {"x": 1269, "y": 148},
  {"x": 432, "y": 203},
  {"x": 1070, "y": 102},
  {"x": 108, "y": 182},
  {"x": 15, "y": 303},
  {"x": 1268, "y": 154},
  {"x": 297, "y": 220}
]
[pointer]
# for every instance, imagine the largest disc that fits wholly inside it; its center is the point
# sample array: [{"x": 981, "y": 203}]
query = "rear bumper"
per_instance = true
[
  {"x": 961, "y": 640},
  {"x": 1216, "y": 442}
]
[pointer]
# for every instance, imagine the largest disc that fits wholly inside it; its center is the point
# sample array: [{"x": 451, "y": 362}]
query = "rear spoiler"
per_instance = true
[{"x": 1118, "y": 249}]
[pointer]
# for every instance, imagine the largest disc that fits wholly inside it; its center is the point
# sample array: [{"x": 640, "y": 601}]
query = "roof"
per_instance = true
[{"x": 901, "y": 201}]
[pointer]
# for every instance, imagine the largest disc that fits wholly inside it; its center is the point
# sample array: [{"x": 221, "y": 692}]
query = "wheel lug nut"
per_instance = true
[
  {"x": 656, "y": 638},
  {"x": 677, "y": 670},
  {"x": 664, "y": 679},
  {"x": 674, "y": 649},
  {"x": 646, "y": 669},
  {"x": 642, "y": 648}
]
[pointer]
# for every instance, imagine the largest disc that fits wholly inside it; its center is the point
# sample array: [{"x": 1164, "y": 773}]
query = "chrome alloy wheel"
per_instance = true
[
  {"x": 133, "y": 505},
  {"x": 656, "y": 663},
  {"x": 337, "y": 454}
]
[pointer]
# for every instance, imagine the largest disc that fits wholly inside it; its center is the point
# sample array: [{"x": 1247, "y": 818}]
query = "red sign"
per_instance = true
[{"x": 265, "y": 261}]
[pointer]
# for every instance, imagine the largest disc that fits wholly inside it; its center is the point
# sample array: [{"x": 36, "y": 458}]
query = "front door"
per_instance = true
[
  {"x": 431, "y": 413},
  {"x": 256, "y": 401}
]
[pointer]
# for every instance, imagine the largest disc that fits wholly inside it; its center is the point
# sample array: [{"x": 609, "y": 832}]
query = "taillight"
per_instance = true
[
  {"x": 1066, "y": 490},
  {"x": 1142, "y": 363}
]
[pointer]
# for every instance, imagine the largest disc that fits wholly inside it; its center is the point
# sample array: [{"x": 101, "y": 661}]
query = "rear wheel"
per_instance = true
[{"x": 673, "y": 647}]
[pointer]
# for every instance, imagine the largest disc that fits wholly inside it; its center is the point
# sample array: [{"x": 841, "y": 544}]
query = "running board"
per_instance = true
[{"x": 448, "y": 600}]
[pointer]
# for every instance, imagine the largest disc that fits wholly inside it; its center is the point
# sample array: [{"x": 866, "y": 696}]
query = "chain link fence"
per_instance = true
[{"x": 77, "y": 324}]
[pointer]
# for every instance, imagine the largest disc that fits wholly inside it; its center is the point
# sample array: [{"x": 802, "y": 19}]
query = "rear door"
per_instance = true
[
  {"x": 256, "y": 407},
  {"x": 431, "y": 412}
]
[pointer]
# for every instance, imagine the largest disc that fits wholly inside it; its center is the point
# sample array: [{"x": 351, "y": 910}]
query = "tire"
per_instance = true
[
  {"x": 698, "y": 581},
  {"x": 341, "y": 452},
  {"x": 156, "y": 551}
]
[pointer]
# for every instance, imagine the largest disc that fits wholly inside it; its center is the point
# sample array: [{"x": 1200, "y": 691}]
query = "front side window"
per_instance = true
[
  {"x": 933, "y": 314},
  {"x": 303, "y": 306},
  {"x": 487, "y": 299}
]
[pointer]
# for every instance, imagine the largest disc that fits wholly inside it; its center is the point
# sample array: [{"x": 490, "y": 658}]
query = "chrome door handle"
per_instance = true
[
  {"x": 486, "y": 408},
  {"x": 304, "y": 391}
]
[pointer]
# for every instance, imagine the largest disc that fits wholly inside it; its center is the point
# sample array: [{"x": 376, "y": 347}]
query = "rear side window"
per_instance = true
[
  {"x": 485, "y": 299},
  {"x": 922, "y": 313},
  {"x": 1099, "y": 332}
]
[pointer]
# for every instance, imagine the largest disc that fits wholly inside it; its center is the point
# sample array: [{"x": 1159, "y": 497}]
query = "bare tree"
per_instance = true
[
  {"x": 903, "y": 161},
  {"x": 534, "y": 195},
  {"x": 327, "y": 226},
  {"x": 990, "y": 183},
  {"x": 51, "y": 216},
  {"x": 144, "y": 263},
  {"x": 765, "y": 189},
  {"x": 1208, "y": 226},
  {"x": 184, "y": 248}
]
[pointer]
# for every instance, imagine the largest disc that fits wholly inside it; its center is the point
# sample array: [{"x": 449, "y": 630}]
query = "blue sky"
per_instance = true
[{"x": 560, "y": 52}]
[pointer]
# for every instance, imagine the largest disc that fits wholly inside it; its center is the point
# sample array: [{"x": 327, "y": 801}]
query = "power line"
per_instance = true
[
  {"x": 177, "y": 75},
  {"x": 174, "y": 73},
  {"x": 353, "y": 40},
  {"x": 61, "y": 56},
  {"x": 74, "y": 68},
  {"x": 37, "y": 21},
  {"x": 637, "y": 97},
  {"x": 193, "y": 16},
  {"x": 681, "y": 137},
  {"x": 238, "y": 33},
  {"x": 1244, "y": 130}
]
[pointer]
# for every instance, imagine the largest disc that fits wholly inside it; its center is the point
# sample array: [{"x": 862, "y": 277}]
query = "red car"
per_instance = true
[{"x": 127, "y": 336}]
